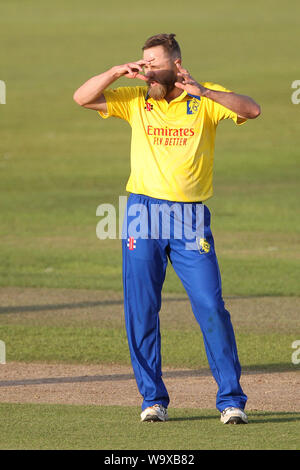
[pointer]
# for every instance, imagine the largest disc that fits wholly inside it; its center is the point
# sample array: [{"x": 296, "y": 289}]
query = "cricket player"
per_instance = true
[{"x": 173, "y": 119}]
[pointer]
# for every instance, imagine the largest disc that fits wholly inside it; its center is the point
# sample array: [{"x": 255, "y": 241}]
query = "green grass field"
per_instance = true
[
  {"x": 58, "y": 162},
  {"x": 84, "y": 428}
]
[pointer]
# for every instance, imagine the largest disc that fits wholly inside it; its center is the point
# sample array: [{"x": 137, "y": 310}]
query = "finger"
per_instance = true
[
  {"x": 140, "y": 64},
  {"x": 144, "y": 61},
  {"x": 187, "y": 79},
  {"x": 180, "y": 85},
  {"x": 184, "y": 75},
  {"x": 132, "y": 69},
  {"x": 129, "y": 70},
  {"x": 141, "y": 77},
  {"x": 135, "y": 65},
  {"x": 181, "y": 69},
  {"x": 178, "y": 65},
  {"x": 131, "y": 73}
]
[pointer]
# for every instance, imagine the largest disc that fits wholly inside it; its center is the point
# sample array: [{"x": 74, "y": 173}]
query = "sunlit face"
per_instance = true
[{"x": 161, "y": 72}]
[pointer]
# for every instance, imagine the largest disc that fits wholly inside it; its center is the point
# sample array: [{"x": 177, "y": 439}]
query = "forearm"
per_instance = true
[
  {"x": 93, "y": 88},
  {"x": 242, "y": 105}
]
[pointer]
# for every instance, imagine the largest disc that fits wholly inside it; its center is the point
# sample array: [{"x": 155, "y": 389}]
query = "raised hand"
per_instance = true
[
  {"x": 132, "y": 69},
  {"x": 187, "y": 82}
]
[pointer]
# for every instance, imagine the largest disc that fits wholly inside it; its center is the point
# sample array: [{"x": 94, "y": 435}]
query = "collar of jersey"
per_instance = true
[{"x": 183, "y": 95}]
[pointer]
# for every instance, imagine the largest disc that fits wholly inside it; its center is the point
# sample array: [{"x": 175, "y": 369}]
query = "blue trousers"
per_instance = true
[{"x": 155, "y": 231}]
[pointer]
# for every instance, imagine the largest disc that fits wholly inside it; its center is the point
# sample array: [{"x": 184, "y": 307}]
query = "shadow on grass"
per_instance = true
[
  {"x": 193, "y": 418},
  {"x": 117, "y": 377},
  {"x": 84, "y": 304},
  {"x": 270, "y": 368},
  {"x": 46, "y": 307},
  {"x": 73, "y": 305},
  {"x": 274, "y": 417},
  {"x": 254, "y": 418}
]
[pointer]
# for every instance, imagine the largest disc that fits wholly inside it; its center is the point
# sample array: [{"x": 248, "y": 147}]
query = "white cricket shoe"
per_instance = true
[
  {"x": 233, "y": 415},
  {"x": 154, "y": 413}
]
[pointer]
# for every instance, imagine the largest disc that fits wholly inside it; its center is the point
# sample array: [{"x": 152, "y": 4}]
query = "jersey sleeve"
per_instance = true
[
  {"x": 119, "y": 102},
  {"x": 219, "y": 112}
]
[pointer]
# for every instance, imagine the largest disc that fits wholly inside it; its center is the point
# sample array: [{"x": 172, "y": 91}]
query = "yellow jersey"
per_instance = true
[{"x": 172, "y": 144}]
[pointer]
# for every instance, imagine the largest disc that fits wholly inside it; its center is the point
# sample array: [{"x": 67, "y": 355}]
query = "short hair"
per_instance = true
[{"x": 167, "y": 41}]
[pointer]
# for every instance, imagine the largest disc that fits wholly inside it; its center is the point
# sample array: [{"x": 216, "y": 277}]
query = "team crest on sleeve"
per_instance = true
[
  {"x": 192, "y": 106},
  {"x": 203, "y": 245}
]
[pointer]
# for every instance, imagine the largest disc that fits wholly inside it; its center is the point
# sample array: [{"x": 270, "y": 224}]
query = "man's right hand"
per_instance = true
[
  {"x": 90, "y": 94},
  {"x": 131, "y": 69}
]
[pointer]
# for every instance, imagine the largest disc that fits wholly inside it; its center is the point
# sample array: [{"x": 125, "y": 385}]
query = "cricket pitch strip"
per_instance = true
[{"x": 113, "y": 384}]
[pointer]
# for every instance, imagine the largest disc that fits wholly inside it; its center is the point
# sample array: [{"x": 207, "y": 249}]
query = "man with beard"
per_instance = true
[{"x": 173, "y": 120}]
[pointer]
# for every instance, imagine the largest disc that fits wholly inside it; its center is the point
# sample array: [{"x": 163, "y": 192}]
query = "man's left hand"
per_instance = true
[{"x": 188, "y": 84}]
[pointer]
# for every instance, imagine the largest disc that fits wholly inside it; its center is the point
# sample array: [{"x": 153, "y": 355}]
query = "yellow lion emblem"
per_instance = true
[
  {"x": 193, "y": 106},
  {"x": 203, "y": 245}
]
